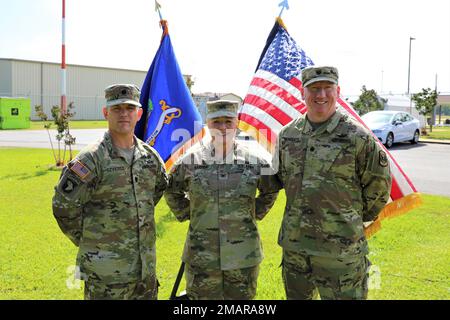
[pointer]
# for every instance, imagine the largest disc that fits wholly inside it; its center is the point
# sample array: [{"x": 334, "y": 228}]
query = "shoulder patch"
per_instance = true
[
  {"x": 383, "y": 158},
  {"x": 69, "y": 185},
  {"x": 80, "y": 169}
]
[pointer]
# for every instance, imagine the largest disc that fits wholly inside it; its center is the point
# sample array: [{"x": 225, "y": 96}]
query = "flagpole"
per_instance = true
[
  {"x": 158, "y": 8},
  {"x": 284, "y": 4}
]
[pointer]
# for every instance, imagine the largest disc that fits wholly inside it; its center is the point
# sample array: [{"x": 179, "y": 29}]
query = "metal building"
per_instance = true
[{"x": 40, "y": 81}]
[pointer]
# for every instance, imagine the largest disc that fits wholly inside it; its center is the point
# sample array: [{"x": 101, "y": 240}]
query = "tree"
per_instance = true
[
  {"x": 368, "y": 101},
  {"x": 189, "y": 82},
  {"x": 425, "y": 102},
  {"x": 61, "y": 120}
]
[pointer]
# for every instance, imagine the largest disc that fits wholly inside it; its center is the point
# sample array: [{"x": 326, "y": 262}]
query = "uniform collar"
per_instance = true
[
  {"x": 305, "y": 127},
  {"x": 334, "y": 121},
  {"x": 139, "y": 150},
  {"x": 208, "y": 153}
]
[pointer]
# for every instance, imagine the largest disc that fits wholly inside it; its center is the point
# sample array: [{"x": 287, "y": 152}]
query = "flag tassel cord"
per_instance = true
[
  {"x": 164, "y": 26},
  {"x": 281, "y": 23}
]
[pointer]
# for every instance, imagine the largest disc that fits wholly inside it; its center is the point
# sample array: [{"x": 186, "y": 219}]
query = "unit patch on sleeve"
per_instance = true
[
  {"x": 69, "y": 185},
  {"x": 383, "y": 158}
]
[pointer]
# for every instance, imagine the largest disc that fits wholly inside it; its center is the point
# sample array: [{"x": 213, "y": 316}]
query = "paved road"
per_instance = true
[
  {"x": 427, "y": 165},
  {"x": 40, "y": 139}
]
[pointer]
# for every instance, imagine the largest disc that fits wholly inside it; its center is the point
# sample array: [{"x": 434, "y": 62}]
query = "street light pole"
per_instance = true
[
  {"x": 409, "y": 74},
  {"x": 63, "y": 61}
]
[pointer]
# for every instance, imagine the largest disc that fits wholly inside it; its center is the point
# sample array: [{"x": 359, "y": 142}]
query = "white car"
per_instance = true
[{"x": 393, "y": 126}]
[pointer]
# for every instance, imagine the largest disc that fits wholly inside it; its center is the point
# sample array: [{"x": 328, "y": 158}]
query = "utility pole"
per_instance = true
[
  {"x": 409, "y": 74},
  {"x": 433, "y": 118}
]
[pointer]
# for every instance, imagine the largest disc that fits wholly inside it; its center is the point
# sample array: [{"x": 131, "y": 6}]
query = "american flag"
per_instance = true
[
  {"x": 80, "y": 169},
  {"x": 274, "y": 100}
]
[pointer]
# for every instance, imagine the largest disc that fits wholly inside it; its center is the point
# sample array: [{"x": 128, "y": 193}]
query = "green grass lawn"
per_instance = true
[
  {"x": 81, "y": 124},
  {"x": 440, "y": 133},
  {"x": 411, "y": 253}
]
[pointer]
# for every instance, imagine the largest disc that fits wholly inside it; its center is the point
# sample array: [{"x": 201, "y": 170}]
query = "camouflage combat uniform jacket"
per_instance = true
[
  {"x": 220, "y": 201},
  {"x": 335, "y": 178},
  {"x": 106, "y": 207}
]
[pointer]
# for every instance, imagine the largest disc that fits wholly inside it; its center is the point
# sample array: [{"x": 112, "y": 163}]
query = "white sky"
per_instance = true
[{"x": 219, "y": 41}]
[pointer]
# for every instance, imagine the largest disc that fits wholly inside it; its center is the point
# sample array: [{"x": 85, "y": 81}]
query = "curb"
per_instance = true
[{"x": 435, "y": 141}]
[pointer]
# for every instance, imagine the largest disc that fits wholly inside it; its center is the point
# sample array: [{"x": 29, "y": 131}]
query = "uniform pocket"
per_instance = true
[
  {"x": 354, "y": 282},
  {"x": 248, "y": 184},
  {"x": 232, "y": 180}
]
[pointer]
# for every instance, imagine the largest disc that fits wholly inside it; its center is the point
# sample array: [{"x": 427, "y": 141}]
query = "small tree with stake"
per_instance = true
[
  {"x": 425, "y": 102},
  {"x": 61, "y": 120}
]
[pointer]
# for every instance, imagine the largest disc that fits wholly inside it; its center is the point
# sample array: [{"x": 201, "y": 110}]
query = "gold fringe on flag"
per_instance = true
[
  {"x": 394, "y": 209},
  {"x": 173, "y": 158},
  {"x": 372, "y": 228}
]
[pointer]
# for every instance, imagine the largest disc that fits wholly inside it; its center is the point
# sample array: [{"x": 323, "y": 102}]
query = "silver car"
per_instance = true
[{"x": 393, "y": 126}]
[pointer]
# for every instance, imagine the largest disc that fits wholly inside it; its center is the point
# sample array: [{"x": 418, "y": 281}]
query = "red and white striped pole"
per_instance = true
[{"x": 63, "y": 61}]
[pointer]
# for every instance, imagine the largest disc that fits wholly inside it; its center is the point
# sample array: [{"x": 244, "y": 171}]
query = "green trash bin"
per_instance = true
[{"x": 15, "y": 113}]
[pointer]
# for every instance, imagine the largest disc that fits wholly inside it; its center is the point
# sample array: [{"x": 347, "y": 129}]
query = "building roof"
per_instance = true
[
  {"x": 72, "y": 65},
  {"x": 398, "y": 100},
  {"x": 216, "y": 95}
]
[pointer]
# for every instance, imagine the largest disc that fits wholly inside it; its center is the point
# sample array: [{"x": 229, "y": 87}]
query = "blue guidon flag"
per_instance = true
[{"x": 170, "y": 122}]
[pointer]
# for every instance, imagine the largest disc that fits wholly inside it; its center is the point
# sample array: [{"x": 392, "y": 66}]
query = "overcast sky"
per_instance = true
[{"x": 219, "y": 41}]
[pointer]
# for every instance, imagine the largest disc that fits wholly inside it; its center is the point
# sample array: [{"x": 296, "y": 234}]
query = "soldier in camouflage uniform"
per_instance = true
[
  {"x": 214, "y": 186},
  {"x": 336, "y": 176},
  {"x": 104, "y": 203}
]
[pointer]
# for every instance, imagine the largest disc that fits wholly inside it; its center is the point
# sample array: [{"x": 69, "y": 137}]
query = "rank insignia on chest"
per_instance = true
[
  {"x": 80, "y": 170},
  {"x": 223, "y": 176}
]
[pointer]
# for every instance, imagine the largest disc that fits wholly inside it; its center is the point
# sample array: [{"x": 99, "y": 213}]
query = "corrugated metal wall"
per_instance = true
[
  {"x": 5, "y": 78},
  {"x": 41, "y": 82}
]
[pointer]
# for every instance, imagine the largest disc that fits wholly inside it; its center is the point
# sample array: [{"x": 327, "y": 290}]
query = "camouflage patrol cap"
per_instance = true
[
  {"x": 122, "y": 93},
  {"x": 319, "y": 73},
  {"x": 222, "y": 108}
]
